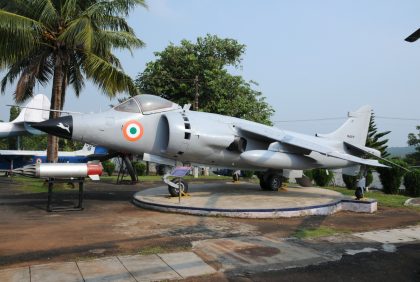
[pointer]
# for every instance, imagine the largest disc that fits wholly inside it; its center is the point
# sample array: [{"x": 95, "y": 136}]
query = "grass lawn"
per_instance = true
[
  {"x": 36, "y": 185},
  {"x": 317, "y": 232},
  {"x": 386, "y": 200}
]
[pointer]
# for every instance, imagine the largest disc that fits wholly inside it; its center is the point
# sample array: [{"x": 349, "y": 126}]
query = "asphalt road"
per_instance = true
[{"x": 403, "y": 265}]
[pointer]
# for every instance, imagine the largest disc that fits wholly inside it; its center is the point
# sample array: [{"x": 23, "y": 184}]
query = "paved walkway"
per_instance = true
[
  {"x": 120, "y": 268},
  {"x": 231, "y": 255}
]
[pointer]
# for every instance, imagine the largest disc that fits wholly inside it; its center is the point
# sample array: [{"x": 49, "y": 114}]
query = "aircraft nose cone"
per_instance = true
[{"x": 61, "y": 127}]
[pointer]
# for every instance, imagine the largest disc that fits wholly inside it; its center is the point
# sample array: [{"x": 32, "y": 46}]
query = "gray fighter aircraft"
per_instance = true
[{"x": 166, "y": 133}]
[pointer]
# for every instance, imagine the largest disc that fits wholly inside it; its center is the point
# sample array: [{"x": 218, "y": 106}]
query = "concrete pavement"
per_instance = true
[
  {"x": 246, "y": 200},
  {"x": 118, "y": 268},
  {"x": 232, "y": 256}
]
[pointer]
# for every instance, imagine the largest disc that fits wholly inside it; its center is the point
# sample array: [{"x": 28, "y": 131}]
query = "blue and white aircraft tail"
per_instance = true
[{"x": 12, "y": 159}]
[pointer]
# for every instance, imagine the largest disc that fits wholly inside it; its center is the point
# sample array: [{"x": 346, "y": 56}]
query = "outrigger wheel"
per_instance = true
[
  {"x": 175, "y": 191},
  {"x": 271, "y": 182},
  {"x": 358, "y": 193}
]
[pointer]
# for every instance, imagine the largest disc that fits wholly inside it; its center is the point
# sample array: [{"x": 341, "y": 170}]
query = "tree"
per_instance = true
[
  {"x": 13, "y": 141},
  {"x": 65, "y": 41},
  {"x": 373, "y": 138},
  {"x": 414, "y": 140},
  {"x": 196, "y": 72},
  {"x": 412, "y": 183},
  {"x": 391, "y": 176},
  {"x": 372, "y": 141},
  {"x": 350, "y": 181},
  {"x": 322, "y": 177}
]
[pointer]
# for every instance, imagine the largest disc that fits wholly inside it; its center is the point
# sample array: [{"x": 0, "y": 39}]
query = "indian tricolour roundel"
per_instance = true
[{"x": 133, "y": 130}]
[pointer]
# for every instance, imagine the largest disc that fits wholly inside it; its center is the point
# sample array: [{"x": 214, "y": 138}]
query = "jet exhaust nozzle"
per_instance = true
[{"x": 61, "y": 127}]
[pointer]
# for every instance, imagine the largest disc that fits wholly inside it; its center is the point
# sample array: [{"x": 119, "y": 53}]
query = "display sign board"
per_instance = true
[{"x": 180, "y": 171}]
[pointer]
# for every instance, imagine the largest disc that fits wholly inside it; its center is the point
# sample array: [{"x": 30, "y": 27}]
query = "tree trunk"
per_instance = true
[
  {"x": 195, "y": 106},
  {"x": 56, "y": 104}
]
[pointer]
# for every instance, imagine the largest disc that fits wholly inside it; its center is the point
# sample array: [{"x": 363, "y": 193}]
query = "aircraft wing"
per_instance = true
[
  {"x": 18, "y": 153},
  {"x": 371, "y": 152},
  {"x": 280, "y": 136}
]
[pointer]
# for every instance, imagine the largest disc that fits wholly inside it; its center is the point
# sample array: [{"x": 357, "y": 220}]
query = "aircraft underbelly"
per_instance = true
[{"x": 330, "y": 162}]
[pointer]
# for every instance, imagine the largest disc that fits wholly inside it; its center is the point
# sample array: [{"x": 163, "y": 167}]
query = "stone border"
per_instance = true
[
  {"x": 410, "y": 203},
  {"x": 364, "y": 206}
]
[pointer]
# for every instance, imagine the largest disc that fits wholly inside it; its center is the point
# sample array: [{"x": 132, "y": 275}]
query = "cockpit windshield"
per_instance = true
[
  {"x": 151, "y": 103},
  {"x": 129, "y": 106},
  {"x": 146, "y": 104}
]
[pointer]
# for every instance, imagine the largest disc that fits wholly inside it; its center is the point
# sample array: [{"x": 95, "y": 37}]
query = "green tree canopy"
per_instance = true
[
  {"x": 374, "y": 138},
  {"x": 13, "y": 141},
  {"x": 65, "y": 41},
  {"x": 414, "y": 140},
  {"x": 179, "y": 72}
]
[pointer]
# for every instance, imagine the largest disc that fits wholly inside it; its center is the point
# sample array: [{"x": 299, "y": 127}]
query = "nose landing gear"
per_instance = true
[
  {"x": 180, "y": 184},
  {"x": 177, "y": 186}
]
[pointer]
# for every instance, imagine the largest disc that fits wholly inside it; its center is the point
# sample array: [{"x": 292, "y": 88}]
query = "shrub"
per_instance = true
[
  {"x": 369, "y": 178},
  {"x": 412, "y": 183},
  {"x": 309, "y": 174},
  {"x": 391, "y": 176},
  {"x": 162, "y": 169},
  {"x": 140, "y": 168},
  {"x": 322, "y": 177},
  {"x": 350, "y": 181},
  {"x": 109, "y": 167}
]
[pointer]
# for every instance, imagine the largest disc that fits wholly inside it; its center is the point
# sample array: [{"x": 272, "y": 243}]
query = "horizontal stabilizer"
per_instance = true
[
  {"x": 361, "y": 150},
  {"x": 374, "y": 153}
]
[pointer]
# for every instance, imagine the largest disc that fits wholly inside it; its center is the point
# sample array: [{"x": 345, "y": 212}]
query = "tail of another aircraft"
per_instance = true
[
  {"x": 355, "y": 129},
  {"x": 36, "y": 110},
  {"x": 93, "y": 150},
  {"x": 87, "y": 149}
]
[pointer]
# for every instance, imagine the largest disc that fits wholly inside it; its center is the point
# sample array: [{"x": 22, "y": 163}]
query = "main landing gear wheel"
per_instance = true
[
  {"x": 272, "y": 183},
  {"x": 175, "y": 191}
]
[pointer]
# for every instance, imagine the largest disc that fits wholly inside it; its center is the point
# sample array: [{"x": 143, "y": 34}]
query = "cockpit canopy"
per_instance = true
[{"x": 146, "y": 104}]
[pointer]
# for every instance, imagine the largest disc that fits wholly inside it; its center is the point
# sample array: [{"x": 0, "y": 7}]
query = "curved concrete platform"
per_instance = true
[{"x": 249, "y": 201}]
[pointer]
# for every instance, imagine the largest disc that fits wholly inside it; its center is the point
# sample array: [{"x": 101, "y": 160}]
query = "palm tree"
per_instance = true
[{"x": 66, "y": 41}]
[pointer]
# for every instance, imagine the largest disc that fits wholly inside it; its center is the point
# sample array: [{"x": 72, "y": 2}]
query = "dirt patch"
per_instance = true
[
  {"x": 111, "y": 224},
  {"x": 259, "y": 251}
]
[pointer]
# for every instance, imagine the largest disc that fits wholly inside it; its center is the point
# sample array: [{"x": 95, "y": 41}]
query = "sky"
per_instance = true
[{"x": 312, "y": 59}]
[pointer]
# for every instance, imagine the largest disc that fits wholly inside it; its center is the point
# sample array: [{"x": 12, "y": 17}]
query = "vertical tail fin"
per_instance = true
[
  {"x": 355, "y": 128},
  {"x": 87, "y": 149},
  {"x": 36, "y": 110}
]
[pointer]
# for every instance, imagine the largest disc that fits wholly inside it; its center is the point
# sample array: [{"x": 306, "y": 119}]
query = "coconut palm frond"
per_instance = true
[{"x": 111, "y": 79}]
